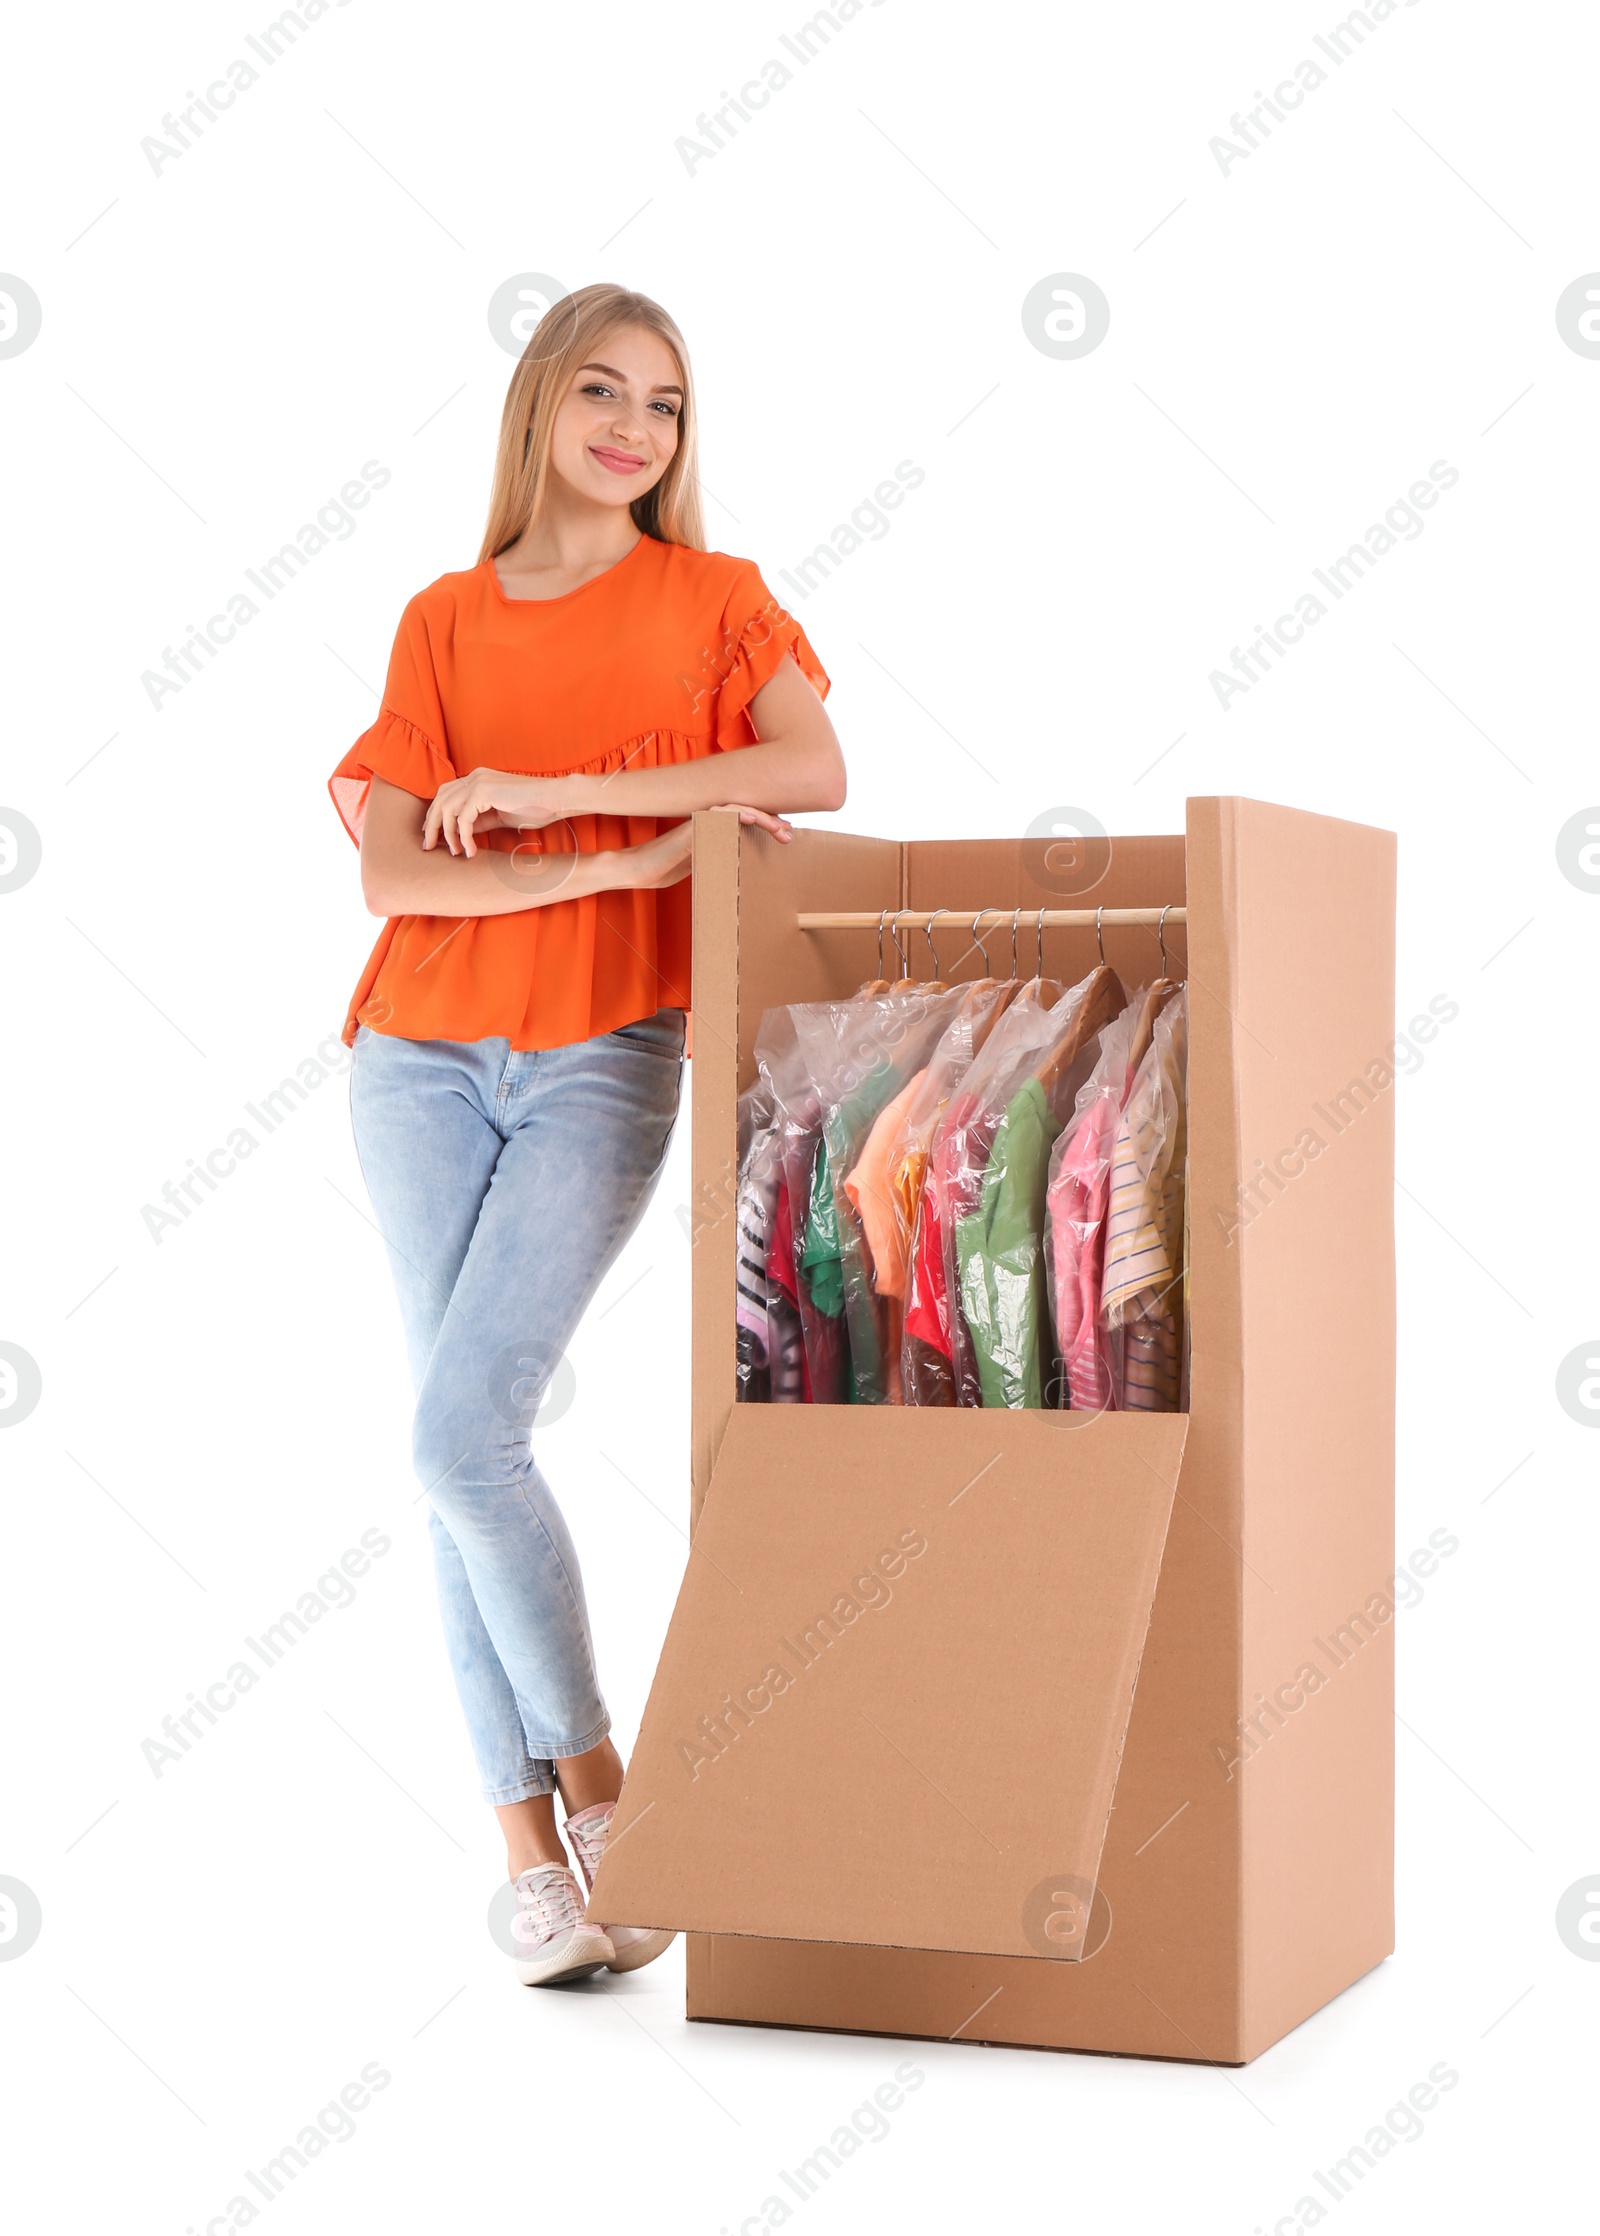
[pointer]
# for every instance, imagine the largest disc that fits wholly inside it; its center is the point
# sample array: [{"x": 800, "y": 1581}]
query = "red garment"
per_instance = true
[
  {"x": 952, "y": 1189},
  {"x": 780, "y": 1269}
]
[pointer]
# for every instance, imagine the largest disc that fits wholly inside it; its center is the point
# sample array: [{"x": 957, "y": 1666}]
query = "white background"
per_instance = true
[{"x": 224, "y": 343}]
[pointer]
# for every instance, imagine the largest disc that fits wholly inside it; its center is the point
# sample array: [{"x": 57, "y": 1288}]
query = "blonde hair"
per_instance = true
[{"x": 564, "y": 339}]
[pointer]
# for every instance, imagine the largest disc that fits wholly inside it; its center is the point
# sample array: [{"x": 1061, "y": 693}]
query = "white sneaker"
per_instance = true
[
  {"x": 632, "y": 1945},
  {"x": 553, "y": 1940}
]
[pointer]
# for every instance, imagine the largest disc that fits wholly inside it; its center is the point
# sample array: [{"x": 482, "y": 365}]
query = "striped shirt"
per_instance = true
[{"x": 1142, "y": 1291}]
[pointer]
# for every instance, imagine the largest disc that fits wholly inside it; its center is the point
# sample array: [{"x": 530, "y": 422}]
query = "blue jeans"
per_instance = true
[{"x": 505, "y": 1182}]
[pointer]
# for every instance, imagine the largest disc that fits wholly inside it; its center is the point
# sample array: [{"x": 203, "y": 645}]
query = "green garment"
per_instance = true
[
  {"x": 823, "y": 1274},
  {"x": 819, "y": 1253},
  {"x": 1000, "y": 1254},
  {"x": 831, "y": 1249}
]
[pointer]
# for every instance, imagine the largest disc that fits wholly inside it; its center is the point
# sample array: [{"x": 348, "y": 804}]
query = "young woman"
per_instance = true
[{"x": 551, "y": 717}]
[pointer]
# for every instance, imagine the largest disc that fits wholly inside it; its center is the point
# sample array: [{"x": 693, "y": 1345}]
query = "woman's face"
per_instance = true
[{"x": 617, "y": 426}]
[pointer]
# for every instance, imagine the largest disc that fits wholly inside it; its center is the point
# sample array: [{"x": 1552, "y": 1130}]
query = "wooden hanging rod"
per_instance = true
[{"x": 988, "y": 919}]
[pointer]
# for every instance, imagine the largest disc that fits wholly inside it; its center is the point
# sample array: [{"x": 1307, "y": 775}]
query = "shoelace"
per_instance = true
[
  {"x": 589, "y": 1841},
  {"x": 547, "y": 1899}
]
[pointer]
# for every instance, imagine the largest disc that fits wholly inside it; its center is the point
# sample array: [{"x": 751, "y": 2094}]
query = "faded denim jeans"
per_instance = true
[{"x": 505, "y": 1182}]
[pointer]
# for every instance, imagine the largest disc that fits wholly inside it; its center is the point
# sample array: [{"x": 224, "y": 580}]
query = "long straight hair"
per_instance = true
[{"x": 565, "y": 338}]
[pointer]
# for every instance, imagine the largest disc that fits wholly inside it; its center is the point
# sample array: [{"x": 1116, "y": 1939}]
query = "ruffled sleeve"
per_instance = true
[
  {"x": 756, "y": 634},
  {"x": 405, "y": 746}
]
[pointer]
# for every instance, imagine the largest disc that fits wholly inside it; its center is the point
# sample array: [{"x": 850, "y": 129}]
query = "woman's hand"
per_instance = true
[
  {"x": 489, "y": 800},
  {"x": 668, "y": 859},
  {"x": 659, "y": 862},
  {"x": 781, "y": 829}
]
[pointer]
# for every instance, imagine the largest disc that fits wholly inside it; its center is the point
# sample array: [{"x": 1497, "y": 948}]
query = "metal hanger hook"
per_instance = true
[
  {"x": 1015, "y": 914},
  {"x": 1161, "y": 936},
  {"x": 1099, "y": 936},
  {"x": 882, "y": 914},
  {"x": 927, "y": 933},
  {"x": 982, "y": 950},
  {"x": 1038, "y": 935}
]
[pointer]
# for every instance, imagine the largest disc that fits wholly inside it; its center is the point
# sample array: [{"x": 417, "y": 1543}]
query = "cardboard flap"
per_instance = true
[{"x": 894, "y": 1692}]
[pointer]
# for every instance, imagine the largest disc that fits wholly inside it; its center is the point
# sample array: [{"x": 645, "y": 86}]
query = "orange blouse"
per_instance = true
[{"x": 651, "y": 663}]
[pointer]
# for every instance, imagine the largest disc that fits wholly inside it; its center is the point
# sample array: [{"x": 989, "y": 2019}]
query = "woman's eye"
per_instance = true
[
  {"x": 597, "y": 388},
  {"x": 671, "y": 410}
]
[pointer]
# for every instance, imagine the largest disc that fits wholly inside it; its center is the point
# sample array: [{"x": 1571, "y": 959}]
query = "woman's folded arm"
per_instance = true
[
  {"x": 796, "y": 766},
  {"x": 400, "y": 878}
]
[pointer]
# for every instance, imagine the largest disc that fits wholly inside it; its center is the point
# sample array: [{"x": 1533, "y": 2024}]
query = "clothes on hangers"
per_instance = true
[
  {"x": 832, "y": 1067},
  {"x": 872, "y": 1312},
  {"x": 938, "y": 1362},
  {"x": 927, "y": 1374},
  {"x": 797, "y": 1110},
  {"x": 753, "y": 1201},
  {"x": 999, "y": 1257},
  {"x": 790, "y": 1372},
  {"x": 1078, "y": 1198},
  {"x": 844, "y": 1123},
  {"x": 770, "y": 1355},
  {"x": 897, "y": 1034},
  {"x": 970, "y": 1195},
  {"x": 750, "y": 1312},
  {"x": 889, "y": 1173},
  {"x": 886, "y": 1180},
  {"x": 937, "y": 1347},
  {"x": 999, "y": 1243},
  {"x": 868, "y": 1187},
  {"x": 1141, "y": 1298},
  {"x": 934, "y": 1337}
]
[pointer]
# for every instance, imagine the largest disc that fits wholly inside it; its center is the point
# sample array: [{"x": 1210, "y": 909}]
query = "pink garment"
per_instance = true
[
  {"x": 1078, "y": 1211},
  {"x": 1080, "y": 1193}
]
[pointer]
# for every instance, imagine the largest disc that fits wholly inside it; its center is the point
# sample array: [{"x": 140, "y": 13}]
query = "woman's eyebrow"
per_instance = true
[{"x": 662, "y": 387}]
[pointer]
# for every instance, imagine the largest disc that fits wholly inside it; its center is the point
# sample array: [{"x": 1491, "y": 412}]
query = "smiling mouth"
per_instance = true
[{"x": 616, "y": 461}]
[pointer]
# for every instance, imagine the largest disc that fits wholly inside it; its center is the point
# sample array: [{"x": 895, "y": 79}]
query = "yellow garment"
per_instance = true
[{"x": 905, "y": 1190}]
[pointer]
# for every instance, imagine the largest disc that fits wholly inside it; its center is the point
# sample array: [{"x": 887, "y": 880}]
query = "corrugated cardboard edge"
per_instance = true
[
  {"x": 1117, "y": 1732},
  {"x": 1316, "y": 1879},
  {"x": 1215, "y": 1451},
  {"x": 713, "y": 1099}
]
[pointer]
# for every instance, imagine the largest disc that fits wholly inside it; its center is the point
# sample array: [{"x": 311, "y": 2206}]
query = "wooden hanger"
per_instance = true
[
  {"x": 1156, "y": 998},
  {"x": 1009, "y": 989},
  {"x": 905, "y": 983},
  {"x": 1104, "y": 998}
]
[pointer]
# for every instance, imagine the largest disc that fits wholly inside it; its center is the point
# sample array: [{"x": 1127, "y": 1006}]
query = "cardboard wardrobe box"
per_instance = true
[{"x": 1042, "y": 1728}]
